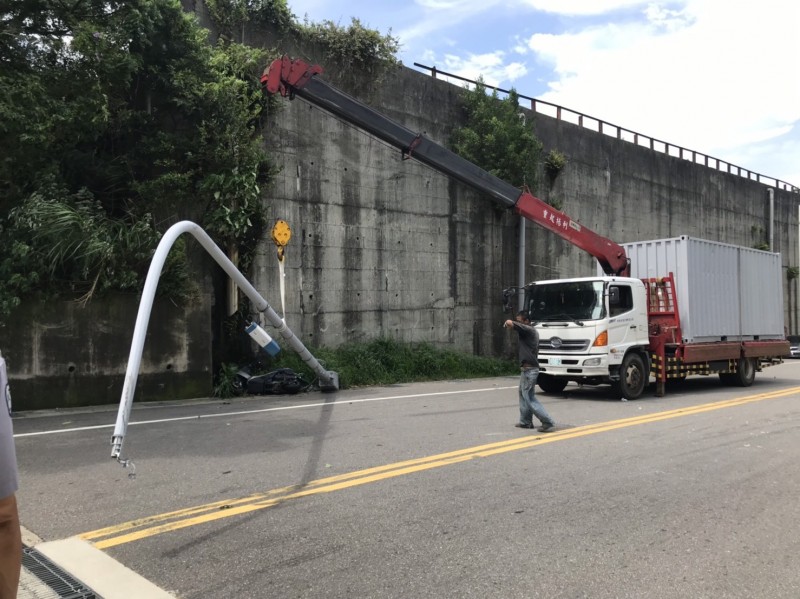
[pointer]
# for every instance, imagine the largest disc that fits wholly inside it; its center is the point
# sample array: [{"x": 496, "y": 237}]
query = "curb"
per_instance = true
[{"x": 108, "y": 578}]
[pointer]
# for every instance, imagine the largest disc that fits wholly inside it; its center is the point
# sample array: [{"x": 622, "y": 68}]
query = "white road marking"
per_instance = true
[{"x": 261, "y": 411}]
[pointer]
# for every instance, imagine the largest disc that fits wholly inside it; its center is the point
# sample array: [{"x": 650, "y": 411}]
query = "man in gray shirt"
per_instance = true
[
  {"x": 10, "y": 541},
  {"x": 529, "y": 406}
]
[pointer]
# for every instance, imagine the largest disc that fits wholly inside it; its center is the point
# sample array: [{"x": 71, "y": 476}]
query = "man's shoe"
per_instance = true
[
  {"x": 546, "y": 428},
  {"x": 520, "y": 425}
]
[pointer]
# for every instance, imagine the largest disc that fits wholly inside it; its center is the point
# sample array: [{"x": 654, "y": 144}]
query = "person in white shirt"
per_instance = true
[{"x": 10, "y": 535}]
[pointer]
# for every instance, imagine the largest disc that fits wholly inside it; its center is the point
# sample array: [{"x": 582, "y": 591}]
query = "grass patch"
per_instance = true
[{"x": 386, "y": 362}]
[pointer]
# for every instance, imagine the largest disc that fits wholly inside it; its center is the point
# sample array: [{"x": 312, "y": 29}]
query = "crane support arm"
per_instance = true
[
  {"x": 611, "y": 256},
  {"x": 291, "y": 78}
]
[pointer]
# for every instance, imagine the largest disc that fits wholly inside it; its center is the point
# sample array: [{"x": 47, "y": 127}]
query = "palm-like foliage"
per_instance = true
[{"x": 78, "y": 247}]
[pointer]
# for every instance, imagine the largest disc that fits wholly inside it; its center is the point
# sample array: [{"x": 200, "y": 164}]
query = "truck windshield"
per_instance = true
[{"x": 576, "y": 301}]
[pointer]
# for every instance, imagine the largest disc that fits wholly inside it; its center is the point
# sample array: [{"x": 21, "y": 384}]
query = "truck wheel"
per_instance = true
[
  {"x": 745, "y": 372},
  {"x": 632, "y": 377},
  {"x": 551, "y": 384}
]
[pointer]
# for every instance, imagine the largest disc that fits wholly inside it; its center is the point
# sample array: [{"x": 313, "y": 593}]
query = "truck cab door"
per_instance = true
[{"x": 626, "y": 322}]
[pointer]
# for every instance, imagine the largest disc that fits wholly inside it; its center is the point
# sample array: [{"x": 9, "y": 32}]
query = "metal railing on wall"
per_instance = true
[{"x": 599, "y": 126}]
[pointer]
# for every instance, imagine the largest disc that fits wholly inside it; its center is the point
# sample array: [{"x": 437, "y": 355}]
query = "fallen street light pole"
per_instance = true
[{"x": 328, "y": 380}]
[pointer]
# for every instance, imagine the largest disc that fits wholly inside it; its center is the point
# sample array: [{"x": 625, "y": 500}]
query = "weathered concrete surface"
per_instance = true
[
  {"x": 385, "y": 246},
  {"x": 63, "y": 355}
]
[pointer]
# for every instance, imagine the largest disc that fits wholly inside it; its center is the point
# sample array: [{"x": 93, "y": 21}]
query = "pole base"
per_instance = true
[{"x": 332, "y": 384}]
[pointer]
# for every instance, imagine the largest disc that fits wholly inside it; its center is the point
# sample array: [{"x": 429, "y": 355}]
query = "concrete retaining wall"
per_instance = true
[{"x": 61, "y": 355}]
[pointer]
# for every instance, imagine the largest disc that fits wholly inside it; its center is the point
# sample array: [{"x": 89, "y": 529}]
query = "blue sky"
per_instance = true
[{"x": 715, "y": 76}]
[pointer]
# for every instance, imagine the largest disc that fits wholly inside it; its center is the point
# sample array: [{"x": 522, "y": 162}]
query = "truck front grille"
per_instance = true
[{"x": 563, "y": 345}]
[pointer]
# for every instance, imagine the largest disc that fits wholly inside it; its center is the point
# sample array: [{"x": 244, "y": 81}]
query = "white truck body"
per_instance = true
[{"x": 724, "y": 292}]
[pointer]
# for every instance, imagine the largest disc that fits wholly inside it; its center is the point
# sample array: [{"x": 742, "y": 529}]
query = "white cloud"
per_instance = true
[
  {"x": 491, "y": 67},
  {"x": 453, "y": 5},
  {"x": 667, "y": 19},
  {"x": 520, "y": 46},
  {"x": 442, "y": 15},
  {"x": 582, "y": 7},
  {"x": 706, "y": 77}
]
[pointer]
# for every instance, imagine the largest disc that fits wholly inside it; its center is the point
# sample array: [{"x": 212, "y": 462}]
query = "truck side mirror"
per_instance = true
[
  {"x": 613, "y": 296},
  {"x": 507, "y": 295}
]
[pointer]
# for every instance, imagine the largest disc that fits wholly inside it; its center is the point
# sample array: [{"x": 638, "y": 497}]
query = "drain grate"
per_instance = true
[{"x": 54, "y": 577}]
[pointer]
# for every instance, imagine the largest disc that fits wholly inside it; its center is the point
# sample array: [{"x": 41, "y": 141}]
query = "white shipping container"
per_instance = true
[{"x": 724, "y": 292}]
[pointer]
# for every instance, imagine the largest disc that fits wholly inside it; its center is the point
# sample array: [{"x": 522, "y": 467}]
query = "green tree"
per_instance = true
[
  {"x": 230, "y": 16},
  {"x": 355, "y": 46},
  {"x": 234, "y": 164},
  {"x": 498, "y": 137},
  {"x": 111, "y": 112}
]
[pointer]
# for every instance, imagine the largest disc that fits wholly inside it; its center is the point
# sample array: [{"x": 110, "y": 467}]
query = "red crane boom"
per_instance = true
[{"x": 291, "y": 78}]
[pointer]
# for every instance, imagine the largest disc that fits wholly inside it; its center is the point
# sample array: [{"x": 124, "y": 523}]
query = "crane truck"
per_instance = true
[{"x": 661, "y": 316}]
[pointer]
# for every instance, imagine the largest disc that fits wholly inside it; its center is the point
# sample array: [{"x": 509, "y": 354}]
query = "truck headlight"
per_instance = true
[{"x": 592, "y": 362}]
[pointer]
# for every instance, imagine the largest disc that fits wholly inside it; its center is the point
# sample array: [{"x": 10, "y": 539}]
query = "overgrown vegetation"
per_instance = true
[
  {"x": 354, "y": 47},
  {"x": 382, "y": 362},
  {"x": 231, "y": 16},
  {"x": 554, "y": 163},
  {"x": 225, "y": 381},
  {"x": 356, "y": 51},
  {"x": 498, "y": 137},
  {"x": 556, "y": 202},
  {"x": 68, "y": 242},
  {"x": 118, "y": 118}
]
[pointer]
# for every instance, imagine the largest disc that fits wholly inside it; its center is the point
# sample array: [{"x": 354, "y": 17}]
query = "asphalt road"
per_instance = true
[{"x": 428, "y": 490}]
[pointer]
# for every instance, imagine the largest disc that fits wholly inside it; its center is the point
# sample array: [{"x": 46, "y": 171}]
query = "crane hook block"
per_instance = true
[
  {"x": 281, "y": 234},
  {"x": 284, "y": 75}
]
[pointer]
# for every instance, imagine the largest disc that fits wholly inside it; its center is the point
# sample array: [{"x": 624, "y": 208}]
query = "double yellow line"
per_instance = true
[{"x": 154, "y": 525}]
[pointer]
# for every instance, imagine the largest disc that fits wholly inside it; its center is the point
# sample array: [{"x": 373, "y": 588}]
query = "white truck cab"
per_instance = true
[{"x": 592, "y": 331}]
